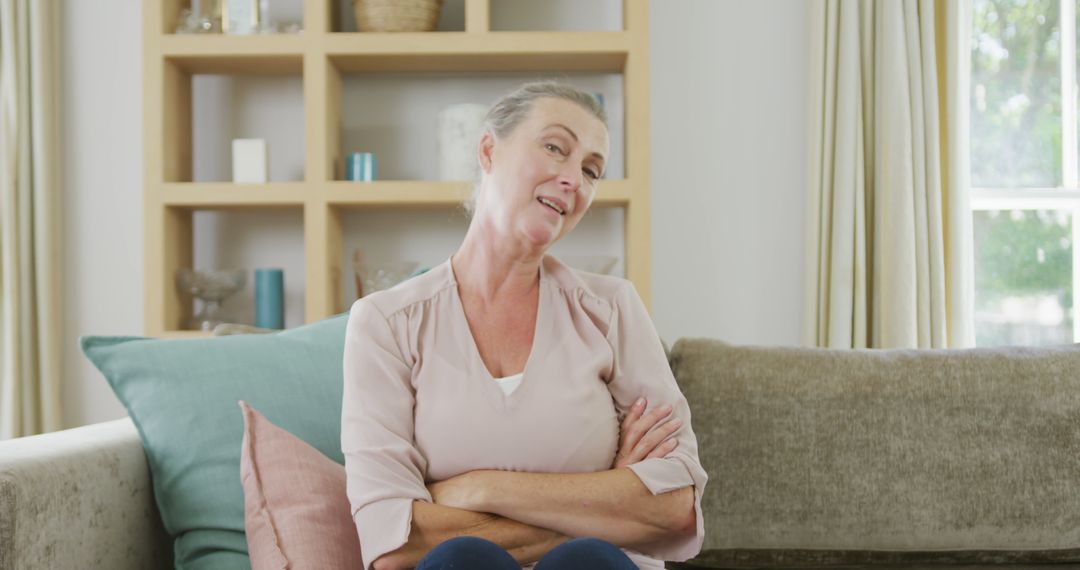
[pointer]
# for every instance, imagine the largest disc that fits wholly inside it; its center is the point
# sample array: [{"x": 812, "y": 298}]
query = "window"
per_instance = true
[{"x": 1025, "y": 188}]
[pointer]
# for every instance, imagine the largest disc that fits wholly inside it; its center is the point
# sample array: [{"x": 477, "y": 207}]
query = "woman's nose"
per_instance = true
[{"x": 570, "y": 178}]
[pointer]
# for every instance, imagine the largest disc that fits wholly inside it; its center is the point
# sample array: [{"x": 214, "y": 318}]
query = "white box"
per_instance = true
[
  {"x": 249, "y": 161},
  {"x": 239, "y": 16}
]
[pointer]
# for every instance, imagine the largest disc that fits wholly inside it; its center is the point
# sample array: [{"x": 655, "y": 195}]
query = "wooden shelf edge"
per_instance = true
[
  {"x": 479, "y": 52},
  {"x": 231, "y": 195},
  {"x": 384, "y": 41},
  {"x": 405, "y": 193},
  {"x": 399, "y": 52},
  {"x": 381, "y": 193},
  {"x": 271, "y": 54},
  {"x": 396, "y": 193},
  {"x": 616, "y": 192},
  {"x": 182, "y": 334}
]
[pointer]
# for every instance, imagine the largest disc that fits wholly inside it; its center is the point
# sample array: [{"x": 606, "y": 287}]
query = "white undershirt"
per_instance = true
[{"x": 510, "y": 383}]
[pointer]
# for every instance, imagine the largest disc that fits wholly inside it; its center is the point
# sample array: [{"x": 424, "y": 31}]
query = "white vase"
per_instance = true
[{"x": 460, "y": 127}]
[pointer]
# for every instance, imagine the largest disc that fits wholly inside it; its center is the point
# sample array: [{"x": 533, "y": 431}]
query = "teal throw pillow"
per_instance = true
[{"x": 182, "y": 395}]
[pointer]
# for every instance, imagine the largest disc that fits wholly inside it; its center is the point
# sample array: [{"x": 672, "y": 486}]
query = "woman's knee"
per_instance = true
[
  {"x": 468, "y": 552},
  {"x": 586, "y": 553}
]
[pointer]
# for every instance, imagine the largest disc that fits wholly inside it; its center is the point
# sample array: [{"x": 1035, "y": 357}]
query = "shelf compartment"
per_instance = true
[
  {"x": 396, "y": 116},
  {"x": 207, "y": 195},
  {"x": 270, "y": 54},
  {"x": 229, "y": 107},
  {"x": 452, "y": 16},
  {"x": 556, "y": 15},
  {"x": 207, "y": 237},
  {"x": 248, "y": 239},
  {"x": 424, "y": 235},
  {"x": 469, "y": 52}
]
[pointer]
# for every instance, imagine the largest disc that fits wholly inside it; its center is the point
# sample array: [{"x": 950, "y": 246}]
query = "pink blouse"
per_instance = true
[{"x": 420, "y": 405}]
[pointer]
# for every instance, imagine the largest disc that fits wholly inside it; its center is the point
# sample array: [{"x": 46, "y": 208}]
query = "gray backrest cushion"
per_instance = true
[{"x": 886, "y": 449}]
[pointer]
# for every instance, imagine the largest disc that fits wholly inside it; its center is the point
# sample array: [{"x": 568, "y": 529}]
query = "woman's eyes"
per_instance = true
[{"x": 556, "y": 148}]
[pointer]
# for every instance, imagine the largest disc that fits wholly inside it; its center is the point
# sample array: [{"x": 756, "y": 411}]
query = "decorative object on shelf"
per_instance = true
[
  {"x": 460, "y": 127},
  {"x": 376, "y": 275},
  {"x": 204, "y": 17},
  {"x": 270, "y": 298},
  {"x": 602, "y": 264},
  {"x": 249, "y": 161},
  {"x": 190, "y": 22},
  {"x": 396, "y": 15},
  {"x": 187, "y": 22},
  {"x": 360, "y": 167},
  {"x": 211, "y": 286},
  {"x": 266, "y": 25},
  {"x": 240, "y": 16},
  {"x": 280, "y": 28}
]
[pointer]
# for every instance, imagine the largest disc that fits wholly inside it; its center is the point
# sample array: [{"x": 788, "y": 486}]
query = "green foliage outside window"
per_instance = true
[
  {"x": 1024, "y": 252},
  {"x": 1016, "y": 94}
]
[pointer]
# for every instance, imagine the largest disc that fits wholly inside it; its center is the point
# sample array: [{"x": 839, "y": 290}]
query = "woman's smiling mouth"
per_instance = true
[{"x": 552, "y": 204}]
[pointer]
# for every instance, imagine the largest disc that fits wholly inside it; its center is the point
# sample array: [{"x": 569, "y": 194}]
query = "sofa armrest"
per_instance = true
[{"x": 79, "y": 498}]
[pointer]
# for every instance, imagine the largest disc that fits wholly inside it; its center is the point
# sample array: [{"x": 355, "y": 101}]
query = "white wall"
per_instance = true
[
  {"x": 729, "y": 81},
  {"x": 728, "y": 129},
  {"x": 101, "y": 117}
]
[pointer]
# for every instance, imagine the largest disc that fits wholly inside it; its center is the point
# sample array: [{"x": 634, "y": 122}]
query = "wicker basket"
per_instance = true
[{"x": 396, "y": 15}]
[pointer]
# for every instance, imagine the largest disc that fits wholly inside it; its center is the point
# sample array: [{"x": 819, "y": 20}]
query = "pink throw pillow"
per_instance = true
[{"x": 296, "y": 512}]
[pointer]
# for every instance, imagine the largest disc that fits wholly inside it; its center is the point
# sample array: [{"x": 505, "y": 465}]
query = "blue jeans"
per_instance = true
[{"x": 473, "y": 553}]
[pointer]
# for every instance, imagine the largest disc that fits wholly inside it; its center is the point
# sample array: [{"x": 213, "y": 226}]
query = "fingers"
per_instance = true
[
  {"x": 632, "y": 416},
  {"x": 664, "y": 448},
  {"x": 657, "y": 438},
  {"x": 634, "y": 447},
  {"x": 633, "y": 431},
  {"x": 650, "y": 440}
]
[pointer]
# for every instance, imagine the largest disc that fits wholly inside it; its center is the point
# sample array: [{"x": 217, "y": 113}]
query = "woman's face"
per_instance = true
[{"x": 542, "y": 177}]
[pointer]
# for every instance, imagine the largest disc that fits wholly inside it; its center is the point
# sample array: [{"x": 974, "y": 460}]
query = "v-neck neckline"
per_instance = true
[{"x": 489, "y": 378}]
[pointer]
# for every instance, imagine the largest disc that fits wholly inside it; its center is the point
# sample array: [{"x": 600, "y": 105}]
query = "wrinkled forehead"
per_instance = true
[{"x": 570, "y": 119}]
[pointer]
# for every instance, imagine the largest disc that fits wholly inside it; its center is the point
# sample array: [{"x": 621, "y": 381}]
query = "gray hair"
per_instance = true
[{"x": 509, "y": 111}]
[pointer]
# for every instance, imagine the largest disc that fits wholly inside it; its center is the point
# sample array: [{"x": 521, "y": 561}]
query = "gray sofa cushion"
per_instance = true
[
  {"x": 885, "y": 450},
  {"x": 791, "y": 559},
  {"x": 79, "y": 498}
]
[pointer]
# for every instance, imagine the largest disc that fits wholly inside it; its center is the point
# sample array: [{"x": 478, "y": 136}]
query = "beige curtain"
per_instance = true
[
  {"x": 30, "y": 287},
  {"x": 888, "y": 223}
]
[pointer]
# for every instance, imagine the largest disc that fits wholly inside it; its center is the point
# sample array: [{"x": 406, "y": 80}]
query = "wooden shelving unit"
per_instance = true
[{"x": 321, "y": 56}]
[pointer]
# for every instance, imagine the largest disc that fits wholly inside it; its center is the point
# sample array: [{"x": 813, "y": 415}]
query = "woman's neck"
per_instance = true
[{"x": 489, "y": 270}]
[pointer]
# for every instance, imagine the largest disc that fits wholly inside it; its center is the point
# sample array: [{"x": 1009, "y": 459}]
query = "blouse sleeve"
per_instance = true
[
  {"x": 384, "y": 470},
  {"x": 641, "y": 369}
]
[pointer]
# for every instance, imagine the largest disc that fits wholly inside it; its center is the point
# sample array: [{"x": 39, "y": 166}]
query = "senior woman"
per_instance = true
[{"x": 494, "y": 411}]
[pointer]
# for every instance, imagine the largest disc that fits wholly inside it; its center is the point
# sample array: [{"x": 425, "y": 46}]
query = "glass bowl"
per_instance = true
[
  {"x": 211, "y": 286},
  {"x": 375, "y": 275}
]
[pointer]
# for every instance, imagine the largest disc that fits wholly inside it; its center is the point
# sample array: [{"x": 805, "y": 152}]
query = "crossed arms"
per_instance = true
[{"x": 528, "y": 514}]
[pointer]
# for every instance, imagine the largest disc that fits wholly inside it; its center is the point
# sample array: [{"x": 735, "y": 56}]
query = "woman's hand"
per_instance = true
[
  {"x": 460, "y": 492},
  {"x": 640, "y": 436}
]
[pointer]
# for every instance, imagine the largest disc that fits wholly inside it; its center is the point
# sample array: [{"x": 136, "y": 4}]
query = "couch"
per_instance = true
[{"x": 817, "y": 459}]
